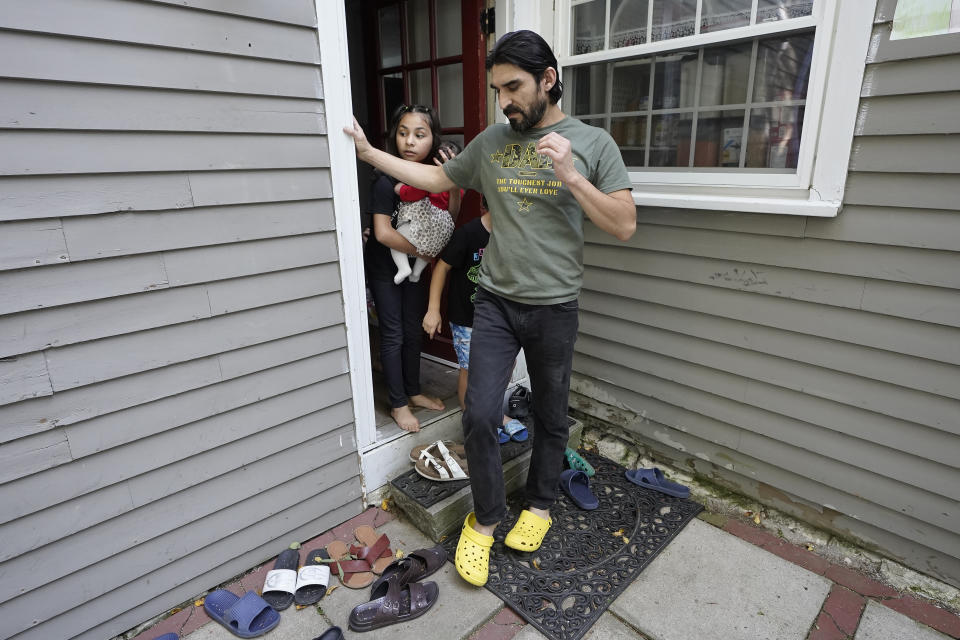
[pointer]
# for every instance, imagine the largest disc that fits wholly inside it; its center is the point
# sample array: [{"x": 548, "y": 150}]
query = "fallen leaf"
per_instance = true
[
  {"x": 756, "y": 519},
  {"x": 385, "y": 504},
  {"x": 809, "y": 547},
  {"x": 626, "y": 540},
  {"x": 617, "y": 533},
  {"x": 536, "y": 563},
  {"x": 332, "y": 589},
  {"x": 301, "y": 606},
  {"x": 176, "y": 610},
  {"x": 198, "y": 603},
  {"x": 294, "y": 545},
  {"x": 398, "y": 554}
]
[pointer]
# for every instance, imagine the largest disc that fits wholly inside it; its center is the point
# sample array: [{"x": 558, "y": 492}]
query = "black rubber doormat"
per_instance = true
[{"x": 588, "y": 557}]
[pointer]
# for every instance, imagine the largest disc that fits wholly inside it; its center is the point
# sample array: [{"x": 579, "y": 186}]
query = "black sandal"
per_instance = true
[
  {"x": 392, "y": 603},
  {"x": 414, "y": 566}
]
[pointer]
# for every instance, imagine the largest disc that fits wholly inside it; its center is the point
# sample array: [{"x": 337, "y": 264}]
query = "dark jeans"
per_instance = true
[
  {"x": 546, "y": 333},
  {"x": 400, "y": 310}
]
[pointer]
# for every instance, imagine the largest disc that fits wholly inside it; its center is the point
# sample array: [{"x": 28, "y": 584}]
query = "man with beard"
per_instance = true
[{"x": 541, "y": 175}]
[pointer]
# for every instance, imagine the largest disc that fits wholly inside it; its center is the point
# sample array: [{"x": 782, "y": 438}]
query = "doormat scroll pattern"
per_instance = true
[{"x": 588, "y": 558}]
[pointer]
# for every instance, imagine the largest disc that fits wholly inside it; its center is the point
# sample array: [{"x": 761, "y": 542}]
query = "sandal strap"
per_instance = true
[
  {"x": 452, "y": 463},
  {"x": 433, "y": 462},
  {"x": 380, "y": 549}
]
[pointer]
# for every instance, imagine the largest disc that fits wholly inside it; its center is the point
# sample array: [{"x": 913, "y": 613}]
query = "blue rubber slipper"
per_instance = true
[
  {"x": 246, "y": 617},
  {"x": 168, "y": 636},
  {"x": 654, "y": 479},
  {"x": 516, "y": 431},
  {"x": 502, "y": 436},
  {"x": 576, "y": 484}
]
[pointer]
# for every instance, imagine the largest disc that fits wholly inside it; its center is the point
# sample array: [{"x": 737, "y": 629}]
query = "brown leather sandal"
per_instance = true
[
  {"x": 354, "y": 573},
  {"x": 375, "y": 549},
  {"x": 416, "y": 565},
  {"x": 392, "y": 603}
]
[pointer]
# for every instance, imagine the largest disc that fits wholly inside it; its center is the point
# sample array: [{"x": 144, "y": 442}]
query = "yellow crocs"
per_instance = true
[
  {"x": 473, "y": 553},
  {"x": 527, "y": 534}
]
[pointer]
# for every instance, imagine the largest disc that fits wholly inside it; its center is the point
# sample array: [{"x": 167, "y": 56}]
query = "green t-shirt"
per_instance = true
[{"x": 535, "y": 254}]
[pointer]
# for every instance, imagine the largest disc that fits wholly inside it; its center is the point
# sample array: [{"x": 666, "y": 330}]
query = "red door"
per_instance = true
[{"x": 428, "y": 52}]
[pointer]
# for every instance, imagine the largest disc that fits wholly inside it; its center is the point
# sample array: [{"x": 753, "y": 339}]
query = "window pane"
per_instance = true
[
  {"x": 418, "y": 30},
  {"x": 668, "y": 79},
  {"x": 724, "y": 14},
  {"x": 389, "y": 36},
  {"x": 630, "y": 134},
  {"x": 673, "y": 19},
  {"x": 449, "y": 29},
  {"x": 719, "y": 136},
  {"x": 588, "y": 88},
  {"x": 450, "y": 86},
  {"x": 421, "y": 87},
  {"x": 774, "y": 140},
  {"x": 670, "y": 140},
  {"x": 770, "y": 10},
  {"x": 392, "y": 95},
  {"x": 631, "y": 86},
  {"x": 588, "y": 21},
  {"x": 726, "y": 71},
  {"x": 628, "y": 23},
  {"x": 783, "y": 68}
]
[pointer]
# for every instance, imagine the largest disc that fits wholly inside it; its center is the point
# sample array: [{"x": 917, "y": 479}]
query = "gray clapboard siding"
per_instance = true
[
  {"x": 52, "y": 197},
  {"x": 909, "y": 115},
  {"x": 937, "y": 514},
  {"x": 890, "y": 400},
  {"x": 67, "y": 518},
  {"x": 929, "y": 304},
  {"x": 806, "y": 499},
  {"x": 131, "y": 233},
  {"x": 47, "y": 152},
  {"x": 301, "y": 13},
  {"x": 190, "y": 266},
  {"x": 233, "y": 187},
  {"x": 121, "y": 427},
  {"x": 60, "y": 59},
  {"x": 65, "y": 284},
  {"x": 937, "y": 191},
  {"x": 883, "y": 49},
  {"x": 755, "y": 223},
  {"x": 31, "y": 243},
  {"x": 214, "y": 561},
  {"x": 261, "y": 357},
  {"x": 101, "y": 470},
  {"x": 898, "y": 226},
  {"x": 27, "y": 197},
  {"x": 23, "y": 377},
  {"x": 876, "y": 364},
  {"x": 43, "y": 105},
  {"x": 929, "y": 75},
  {"x": 907, "y": 154},
  {"x": 70, "y": 324},
  {"x": 36, "y": 453},
  {"x": 895, "y": 335},
  {"x": 164, "y": 529},
  {"x": 901, "y": 264},
  {"x": 84, "y": 364},
  {"x": 164, "y": 25}
]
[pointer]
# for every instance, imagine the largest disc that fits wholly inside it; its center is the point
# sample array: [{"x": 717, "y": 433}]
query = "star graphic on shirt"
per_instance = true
[
  {"x": 497, "y": 157},
  {"x": 524, "y": 205}
]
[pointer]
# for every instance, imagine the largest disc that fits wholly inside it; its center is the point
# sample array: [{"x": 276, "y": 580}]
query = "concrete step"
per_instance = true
[{"x": 446, "y": 516}]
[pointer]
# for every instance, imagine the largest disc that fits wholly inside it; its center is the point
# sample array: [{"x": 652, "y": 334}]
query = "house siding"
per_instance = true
[
  {"x": 175, "y": 399},
  {"x": 811, "y": 363}
]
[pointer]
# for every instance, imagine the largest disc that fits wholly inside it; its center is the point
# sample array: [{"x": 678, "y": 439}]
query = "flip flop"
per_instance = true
[
  {"x": 576, "y": 484},
  {"x": 414, "y": 566},
  {"x": 281, "y": 581},
  {"x": 578, "y": 462},
  {"x": 452, "y": 445},
  {"x": 502, "y": 436},
  {"x": 354, "y": 573},
  {"x": 333, "y": 633},
  {"x": 392, "y": 603},
  {"x": 313, "y": 578},
  {"x": 654, "y": 479},
  {"x": 516, "y": 430},
  {"x": 375, "y": 548},
  {"x": 246, "y": 617}
]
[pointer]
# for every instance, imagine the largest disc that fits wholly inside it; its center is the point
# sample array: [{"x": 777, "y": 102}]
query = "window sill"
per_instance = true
[{"x": 811, "y": 206}]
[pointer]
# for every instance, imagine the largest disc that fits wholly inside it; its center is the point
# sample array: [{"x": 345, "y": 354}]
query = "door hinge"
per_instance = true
[{"x": 488, "y": 21}]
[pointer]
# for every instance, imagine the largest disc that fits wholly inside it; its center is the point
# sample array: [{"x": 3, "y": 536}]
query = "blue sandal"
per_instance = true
[
  {"x": 516, "y": 431},
  {"x": 247, "y": 617}
]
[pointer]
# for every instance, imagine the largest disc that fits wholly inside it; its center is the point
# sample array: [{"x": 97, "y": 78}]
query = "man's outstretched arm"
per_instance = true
[{"x": 423, "y": 176}]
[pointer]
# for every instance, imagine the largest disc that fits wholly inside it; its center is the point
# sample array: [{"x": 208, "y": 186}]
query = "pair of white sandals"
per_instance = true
[{"x": 445, "y": 466}]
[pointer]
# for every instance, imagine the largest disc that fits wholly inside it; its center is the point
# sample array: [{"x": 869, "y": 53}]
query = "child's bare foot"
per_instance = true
[
  {"x": 405, "y": 419},
  {"x": 427, "y": 402}
]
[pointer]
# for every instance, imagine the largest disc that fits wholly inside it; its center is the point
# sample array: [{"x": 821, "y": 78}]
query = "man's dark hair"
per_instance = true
[{"x": 530, "y": 52}]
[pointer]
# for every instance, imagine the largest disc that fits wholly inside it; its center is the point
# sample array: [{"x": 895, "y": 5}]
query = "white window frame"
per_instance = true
[{"x": 836, "y": 74}]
